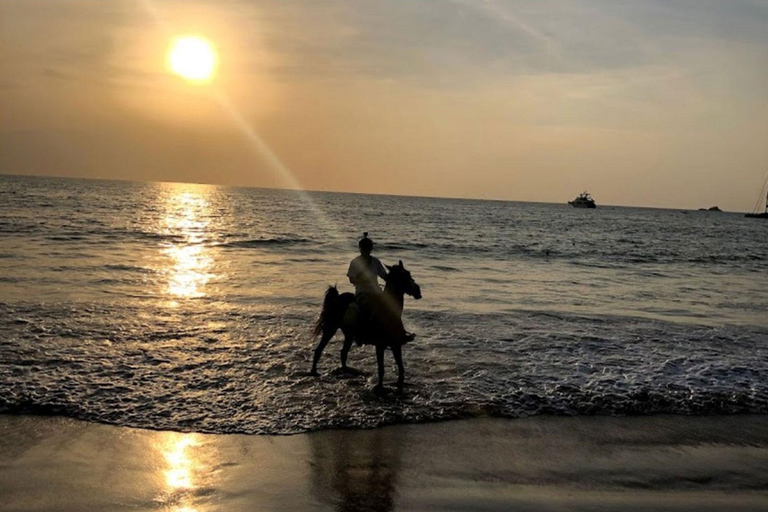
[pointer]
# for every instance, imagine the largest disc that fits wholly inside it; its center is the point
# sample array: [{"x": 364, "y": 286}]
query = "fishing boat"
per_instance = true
[
  {"x": 755, "y": 213},
  {"x": 583, "y": 201}
]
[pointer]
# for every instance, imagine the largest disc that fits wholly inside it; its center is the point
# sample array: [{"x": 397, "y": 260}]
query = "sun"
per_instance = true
[{"x": 193, "y": 58}]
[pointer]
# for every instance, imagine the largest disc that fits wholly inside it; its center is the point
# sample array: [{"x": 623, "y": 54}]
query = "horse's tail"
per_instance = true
[{"x": 330, "y": 310}]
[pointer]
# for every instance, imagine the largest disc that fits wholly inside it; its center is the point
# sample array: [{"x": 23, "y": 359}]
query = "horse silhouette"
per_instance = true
[{"x": 340, "y": 311}]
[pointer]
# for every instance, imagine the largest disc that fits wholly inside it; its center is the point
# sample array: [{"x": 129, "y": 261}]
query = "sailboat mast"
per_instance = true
[
  {"x": 764, "y": 214},
  {"x": 763, "y": 189}
]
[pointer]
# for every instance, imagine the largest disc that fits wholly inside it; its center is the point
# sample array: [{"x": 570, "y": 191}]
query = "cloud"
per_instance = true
[{"x": 534, "y": 97}]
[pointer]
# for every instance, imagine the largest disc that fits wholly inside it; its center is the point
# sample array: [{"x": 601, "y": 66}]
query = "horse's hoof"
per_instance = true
[
  {"x": 314, "y": 373},
  {"x": 379, "y": 390}
]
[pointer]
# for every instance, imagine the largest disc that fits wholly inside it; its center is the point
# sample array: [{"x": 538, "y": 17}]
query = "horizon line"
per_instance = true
[{"x": 451, "y": 198}]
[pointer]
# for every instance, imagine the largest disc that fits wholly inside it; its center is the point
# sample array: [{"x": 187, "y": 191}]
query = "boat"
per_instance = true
[
  {"x": 764, "y": 214},
  {"x": 583, "y": 201},
  {"x": 759, "y": 215}
]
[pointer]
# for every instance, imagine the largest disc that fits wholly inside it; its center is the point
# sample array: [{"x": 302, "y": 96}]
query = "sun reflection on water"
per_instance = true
[
  {"x": 187, "y": 222},
  {"x": 188, "y": 274}
]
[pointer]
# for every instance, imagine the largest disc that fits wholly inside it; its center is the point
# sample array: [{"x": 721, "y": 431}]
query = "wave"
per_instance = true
[
  {"x": 130, "y": 268},
  {"x": 265, "y": 242},
  {"x": 66, "y": 238},
  {"x": 446, "y": 268},
  {"x": 590, "y": 255},
  {"x": 728, "y": 258},
  {"x": 393, "y": 408},
  {"x": 246, "y": 372},
  {"x": 405, "y": 246}
]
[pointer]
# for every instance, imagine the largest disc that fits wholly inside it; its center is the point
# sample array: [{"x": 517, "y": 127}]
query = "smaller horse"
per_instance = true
[{"x": 340, "y": 311}]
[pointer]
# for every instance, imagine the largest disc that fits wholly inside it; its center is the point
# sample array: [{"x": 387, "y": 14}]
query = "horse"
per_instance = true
[{"x": 340, "y": 312}]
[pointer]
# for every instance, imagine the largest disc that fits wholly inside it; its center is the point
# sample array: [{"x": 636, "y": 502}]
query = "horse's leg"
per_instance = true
[
  {"x": 397, "y": 351},
  {"x": 327, "y": 335},
  {"x": 345, "y": 349},
  {"x": 380, "y": 364}
]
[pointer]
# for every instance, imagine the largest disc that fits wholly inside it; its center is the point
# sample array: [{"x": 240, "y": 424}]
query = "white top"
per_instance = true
[{"x": 363, "y": 274}]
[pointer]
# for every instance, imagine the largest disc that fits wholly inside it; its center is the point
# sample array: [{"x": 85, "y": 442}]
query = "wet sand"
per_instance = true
[{"x": 587, "y": 463}]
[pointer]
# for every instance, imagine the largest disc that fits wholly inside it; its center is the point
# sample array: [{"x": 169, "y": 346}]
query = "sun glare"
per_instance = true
[{"x": 193, "y": 58}]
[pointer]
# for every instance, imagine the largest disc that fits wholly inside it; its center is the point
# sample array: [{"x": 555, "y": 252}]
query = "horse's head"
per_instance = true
[{"x": 401, "y": 281}]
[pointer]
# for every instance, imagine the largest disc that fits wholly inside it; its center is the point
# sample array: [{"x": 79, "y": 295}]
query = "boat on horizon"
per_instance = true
[
  {"x": 759, "y": 215},
  {"x": 584, "y": 200},
  {"x": 764, "y": 214}
]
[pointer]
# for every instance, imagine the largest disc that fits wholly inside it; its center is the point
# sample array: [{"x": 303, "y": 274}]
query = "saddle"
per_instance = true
[{"x": 364, "y": 328}]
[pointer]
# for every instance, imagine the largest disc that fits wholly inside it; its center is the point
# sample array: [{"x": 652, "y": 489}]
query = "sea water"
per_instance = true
[{"x": 190, "y": 307}]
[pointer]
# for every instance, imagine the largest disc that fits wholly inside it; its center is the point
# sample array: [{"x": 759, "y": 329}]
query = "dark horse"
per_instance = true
[{"x": 340, "y": 312}]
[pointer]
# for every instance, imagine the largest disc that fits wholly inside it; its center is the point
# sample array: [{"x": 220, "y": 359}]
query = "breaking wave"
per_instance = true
[{"x": 248, "y": 373}]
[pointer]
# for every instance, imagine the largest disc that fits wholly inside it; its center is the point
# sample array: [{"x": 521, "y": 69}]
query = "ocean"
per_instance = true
[{"x": 190, "y": 307}]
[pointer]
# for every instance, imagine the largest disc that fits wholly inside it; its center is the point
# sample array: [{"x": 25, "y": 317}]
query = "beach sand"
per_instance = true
[{"x": 544, "y": 463}]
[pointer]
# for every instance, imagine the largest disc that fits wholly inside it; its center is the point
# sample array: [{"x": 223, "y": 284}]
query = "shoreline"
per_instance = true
[{"x": 675, "y": 463}]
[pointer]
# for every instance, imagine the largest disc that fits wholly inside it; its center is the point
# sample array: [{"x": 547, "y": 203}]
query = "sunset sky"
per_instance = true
[{"x": 643, "y": 102}]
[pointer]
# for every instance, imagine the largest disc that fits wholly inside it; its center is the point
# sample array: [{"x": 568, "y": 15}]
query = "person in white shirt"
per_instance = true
[{"x": 364, "y": 272}]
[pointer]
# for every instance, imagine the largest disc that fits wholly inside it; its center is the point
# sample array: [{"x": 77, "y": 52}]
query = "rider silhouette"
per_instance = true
[
  {"x": 365, "y": 269},
  {"x": 363, "y": 273}
]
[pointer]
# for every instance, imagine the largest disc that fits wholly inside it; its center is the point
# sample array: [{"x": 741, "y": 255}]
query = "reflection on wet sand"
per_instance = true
[
  {"x": 183, "y": 472},
  {"x": 356, "y": 470}
]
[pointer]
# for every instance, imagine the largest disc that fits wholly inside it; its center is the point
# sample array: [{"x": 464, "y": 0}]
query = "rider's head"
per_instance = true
[{"x": 365, "y": 244}]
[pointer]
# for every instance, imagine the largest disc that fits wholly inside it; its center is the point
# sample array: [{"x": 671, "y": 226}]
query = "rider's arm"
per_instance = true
[
  {"x": 381, "y": 271},
  {"x": 353, "y": 273}
]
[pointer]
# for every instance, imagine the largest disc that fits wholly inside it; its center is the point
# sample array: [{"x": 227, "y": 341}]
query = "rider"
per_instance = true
[{"x": 364, "y": 272}]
